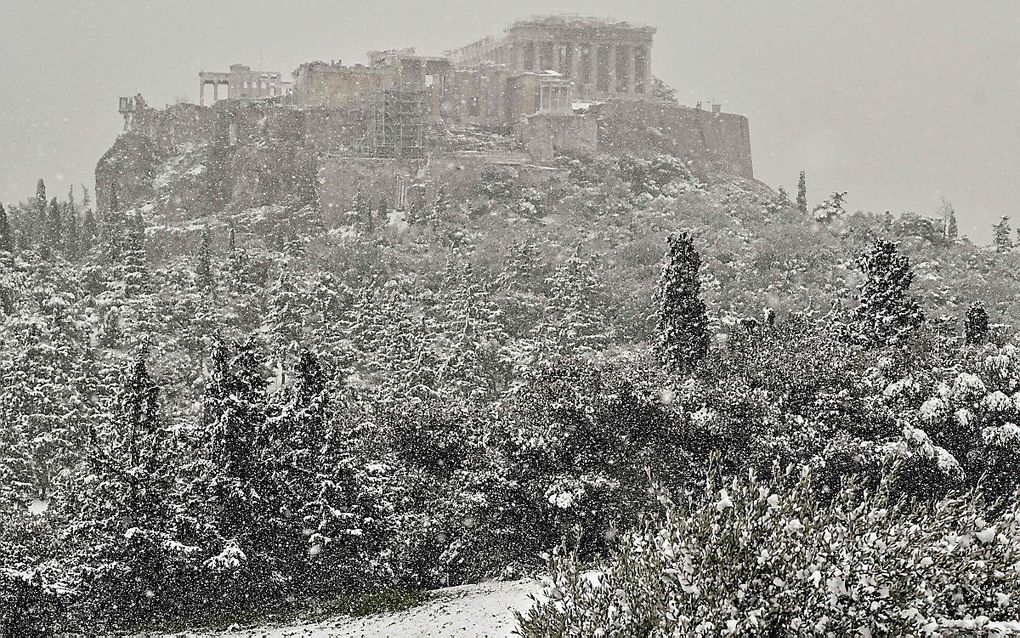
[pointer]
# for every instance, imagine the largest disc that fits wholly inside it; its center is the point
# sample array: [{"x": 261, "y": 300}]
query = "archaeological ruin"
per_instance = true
[{"x": 547, "y": 85}]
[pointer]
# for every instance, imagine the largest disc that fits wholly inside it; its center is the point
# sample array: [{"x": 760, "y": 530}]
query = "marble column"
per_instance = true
[
  {"x": 593, "y": 61},
  {"x": 612, "y": 68},
  {"x": 631, "y": 70},
  {"x": 536, "y": 56},
  {"x": 201, "y": 92},
  {"x": 575, "y": 65}
]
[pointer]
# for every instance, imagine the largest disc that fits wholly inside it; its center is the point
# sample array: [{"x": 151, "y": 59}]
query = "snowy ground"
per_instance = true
[{"x": 484, "y": 610}]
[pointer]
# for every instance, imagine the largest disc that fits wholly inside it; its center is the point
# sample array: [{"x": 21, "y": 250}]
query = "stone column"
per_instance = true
[
  {"x": 593, "y": 60},
  {"x": 575, "y": 65},
  {"x": 215, "y": 92},
  {"x": 631, "y": 70},
  {"x": 612, "y": 68},
  {"x": 201, "y": 92},
  {"x": 648, "y": 70},
  {"x": 536, "y": 56},
  {"x": 517, "y": 57},
  {"x": 557, "y": 63}
]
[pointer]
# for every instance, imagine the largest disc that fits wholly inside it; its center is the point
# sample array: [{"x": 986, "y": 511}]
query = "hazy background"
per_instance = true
[{"x": 897, "y": 102}]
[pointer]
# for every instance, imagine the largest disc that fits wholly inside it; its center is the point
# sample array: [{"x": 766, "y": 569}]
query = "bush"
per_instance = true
[{"x": 753, "y": 557}]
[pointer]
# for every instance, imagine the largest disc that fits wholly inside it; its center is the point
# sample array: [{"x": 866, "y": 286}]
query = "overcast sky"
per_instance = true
[{"x": 898, "y": 102}]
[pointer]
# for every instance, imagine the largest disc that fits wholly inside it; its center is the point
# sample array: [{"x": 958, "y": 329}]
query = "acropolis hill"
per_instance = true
[{"x": 404, "y": 122}]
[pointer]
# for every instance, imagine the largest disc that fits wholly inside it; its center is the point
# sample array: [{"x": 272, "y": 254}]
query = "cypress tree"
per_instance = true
[
  {"x": 54, "y": 225},
  {"x": 383, "y": 210},
  {"x": 887, "y": 312},
  {"x": 1002, "y": 241},
  {"x": 683, "y": 321},
  {"x": 204, "y": 269},
  {"x": 6, "y": 236},
  {"x": 802, "y": 193},
  {"x": 40, "y": 198},
  {"x": 952, "y": 232},
  {"x": 975, "y": 326}
]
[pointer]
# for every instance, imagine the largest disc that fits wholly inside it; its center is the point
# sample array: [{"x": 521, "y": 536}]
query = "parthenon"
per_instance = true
[{"x": 601, "y": 58}]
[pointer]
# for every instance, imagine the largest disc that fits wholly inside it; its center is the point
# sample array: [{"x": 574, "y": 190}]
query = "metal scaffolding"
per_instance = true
[{"x": 397, "y": 125}]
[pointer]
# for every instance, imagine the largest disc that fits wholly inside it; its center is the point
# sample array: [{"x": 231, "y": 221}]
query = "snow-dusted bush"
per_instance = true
[{"x": 752, "y": 557}]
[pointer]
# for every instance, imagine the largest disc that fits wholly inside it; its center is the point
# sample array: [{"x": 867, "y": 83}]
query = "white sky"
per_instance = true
[{"x": 896, "y": 101}]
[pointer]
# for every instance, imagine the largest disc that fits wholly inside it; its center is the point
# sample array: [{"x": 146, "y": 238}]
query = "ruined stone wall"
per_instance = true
[
  {"x": 544, "y": 134},
  {"x": 710, "y": 141},
  {"x": 320, "y": 85}
]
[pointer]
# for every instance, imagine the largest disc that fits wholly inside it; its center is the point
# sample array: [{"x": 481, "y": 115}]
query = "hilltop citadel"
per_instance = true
[{"x": 405, "y": 122}]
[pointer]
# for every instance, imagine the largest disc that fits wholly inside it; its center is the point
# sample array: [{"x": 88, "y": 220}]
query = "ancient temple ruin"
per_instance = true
[
  {"x": 547, "y": 85},
  {"x": 600, "y": 58}
]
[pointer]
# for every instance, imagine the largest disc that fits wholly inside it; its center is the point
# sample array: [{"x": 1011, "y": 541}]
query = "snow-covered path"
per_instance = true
[{"x": 483, "y": 610}]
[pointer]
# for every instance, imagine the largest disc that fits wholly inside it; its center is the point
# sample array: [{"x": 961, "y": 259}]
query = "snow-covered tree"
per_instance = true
[
  {"x": 802, "y": 204},
  {"x": 831, "y": 208},
  {"x": 887, "y": 312},
  {"x": 1002, "y": 240},
  {"x": 975, "y": 327},
  {"x": 682, "y": 324}
]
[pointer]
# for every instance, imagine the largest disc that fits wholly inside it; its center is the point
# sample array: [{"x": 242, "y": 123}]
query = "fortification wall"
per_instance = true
[{"x": 710, "y": 141}]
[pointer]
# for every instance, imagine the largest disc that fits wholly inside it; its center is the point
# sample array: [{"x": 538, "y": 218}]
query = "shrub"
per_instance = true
[{"x": 751, "y": 557}]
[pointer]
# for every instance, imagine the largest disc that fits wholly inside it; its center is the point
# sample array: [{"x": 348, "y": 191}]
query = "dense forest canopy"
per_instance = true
[{"x": 213, "y": 416}]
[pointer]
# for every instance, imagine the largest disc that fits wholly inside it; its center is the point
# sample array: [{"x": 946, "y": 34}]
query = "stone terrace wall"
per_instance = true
[{"x": 710, "y": 141}]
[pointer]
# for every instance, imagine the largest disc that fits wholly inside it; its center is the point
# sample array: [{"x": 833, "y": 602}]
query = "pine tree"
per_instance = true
[
  {"x": 887, "y": 313},
  {"x": 952, "y": 232},
  {"x": 204, "y": 270},
  {"x": 975, "y": 327},
  {"x": 136, "y": 273},
  {"x": 802, "y": 193},
  {"x": 1003, "y": 243},
  {"x": 114, "y": 240},
  {"x": 72, "y": 235},
  {"x": 54, "y": 226},
  {"x": 784, "y": 197},
  {"x": 235, "y": 412},
  {"x": 831, "y": 208},
  {"x": 125, "y": 510},
  {"x": 6, "y": 236},
  {"x": 683, "y": 321},
  {"x": 89, "y": 228}
]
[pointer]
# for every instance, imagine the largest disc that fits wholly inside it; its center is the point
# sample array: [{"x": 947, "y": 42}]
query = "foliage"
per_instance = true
[
  {"x": 682, "y": 321},
  {"x": 767, "y": 557}
]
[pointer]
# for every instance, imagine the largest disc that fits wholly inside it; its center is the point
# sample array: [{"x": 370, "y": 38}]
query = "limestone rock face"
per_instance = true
[{"x": 132, "y": 162}]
